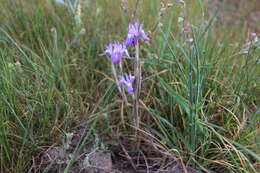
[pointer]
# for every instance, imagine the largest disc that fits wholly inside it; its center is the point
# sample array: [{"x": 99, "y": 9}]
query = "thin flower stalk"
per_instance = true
[
  {"x": 134, "y": 36},
  {"x": 137, "y": 73}
]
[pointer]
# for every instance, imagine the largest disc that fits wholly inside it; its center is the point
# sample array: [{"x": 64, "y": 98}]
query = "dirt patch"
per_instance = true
[{"x": 94, "y": 157}]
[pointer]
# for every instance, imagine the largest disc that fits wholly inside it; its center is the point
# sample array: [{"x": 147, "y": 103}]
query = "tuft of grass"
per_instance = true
[{"x": 200, "y": 98}]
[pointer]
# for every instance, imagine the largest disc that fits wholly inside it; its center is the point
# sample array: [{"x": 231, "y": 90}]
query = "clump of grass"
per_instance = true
[
  {"x": 197, "y": 109},
  {"x": 199, "y": 97}
]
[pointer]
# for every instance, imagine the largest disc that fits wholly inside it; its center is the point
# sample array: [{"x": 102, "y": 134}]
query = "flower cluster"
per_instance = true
[
  {"x": 118, "y": 50},
  {"x": 135, "y": 32},
  {"x": 128, "y": 80}
]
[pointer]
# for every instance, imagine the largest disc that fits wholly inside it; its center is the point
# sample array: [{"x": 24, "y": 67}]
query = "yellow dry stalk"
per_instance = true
[{"x": 79, "y": 7}]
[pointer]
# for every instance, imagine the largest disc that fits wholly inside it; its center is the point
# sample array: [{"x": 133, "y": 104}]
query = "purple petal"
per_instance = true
[
  {"x": 109, "y": 50},
  {"x": 104, "y": 53},
  {"x": 145, "y": 37},
  {"x": 128, "y": 41},
  {"x": 130, "y": 89},
  {"x": 120, "y": 83},
  {"x": 126, "y": 53},
  {"x": 115, "y": 58}
]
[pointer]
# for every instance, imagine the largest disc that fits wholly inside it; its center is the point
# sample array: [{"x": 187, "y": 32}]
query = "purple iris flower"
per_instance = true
[
  {"x": 116, "y": 51},
  {"x": 128, "y": 80},
  {"x": 135, "y": 32}
]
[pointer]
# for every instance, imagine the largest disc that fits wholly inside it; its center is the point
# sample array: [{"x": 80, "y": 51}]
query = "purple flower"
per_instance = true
[
  {"x": 128, "y": 80},
  {"x": 116, "y": 51},
  {"x": 135, "y": 32}
]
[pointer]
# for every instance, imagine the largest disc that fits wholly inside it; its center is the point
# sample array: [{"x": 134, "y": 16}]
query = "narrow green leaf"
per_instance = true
[
  {"x": 178, "y": 98},
  {"x": 257, "y": 157}
]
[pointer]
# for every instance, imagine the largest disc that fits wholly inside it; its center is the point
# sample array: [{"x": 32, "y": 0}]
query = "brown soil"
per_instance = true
[{"x": 95, "y": 158}]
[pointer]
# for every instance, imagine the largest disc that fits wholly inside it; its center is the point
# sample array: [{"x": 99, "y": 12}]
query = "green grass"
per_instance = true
[{"x": 200, "y": 102}]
